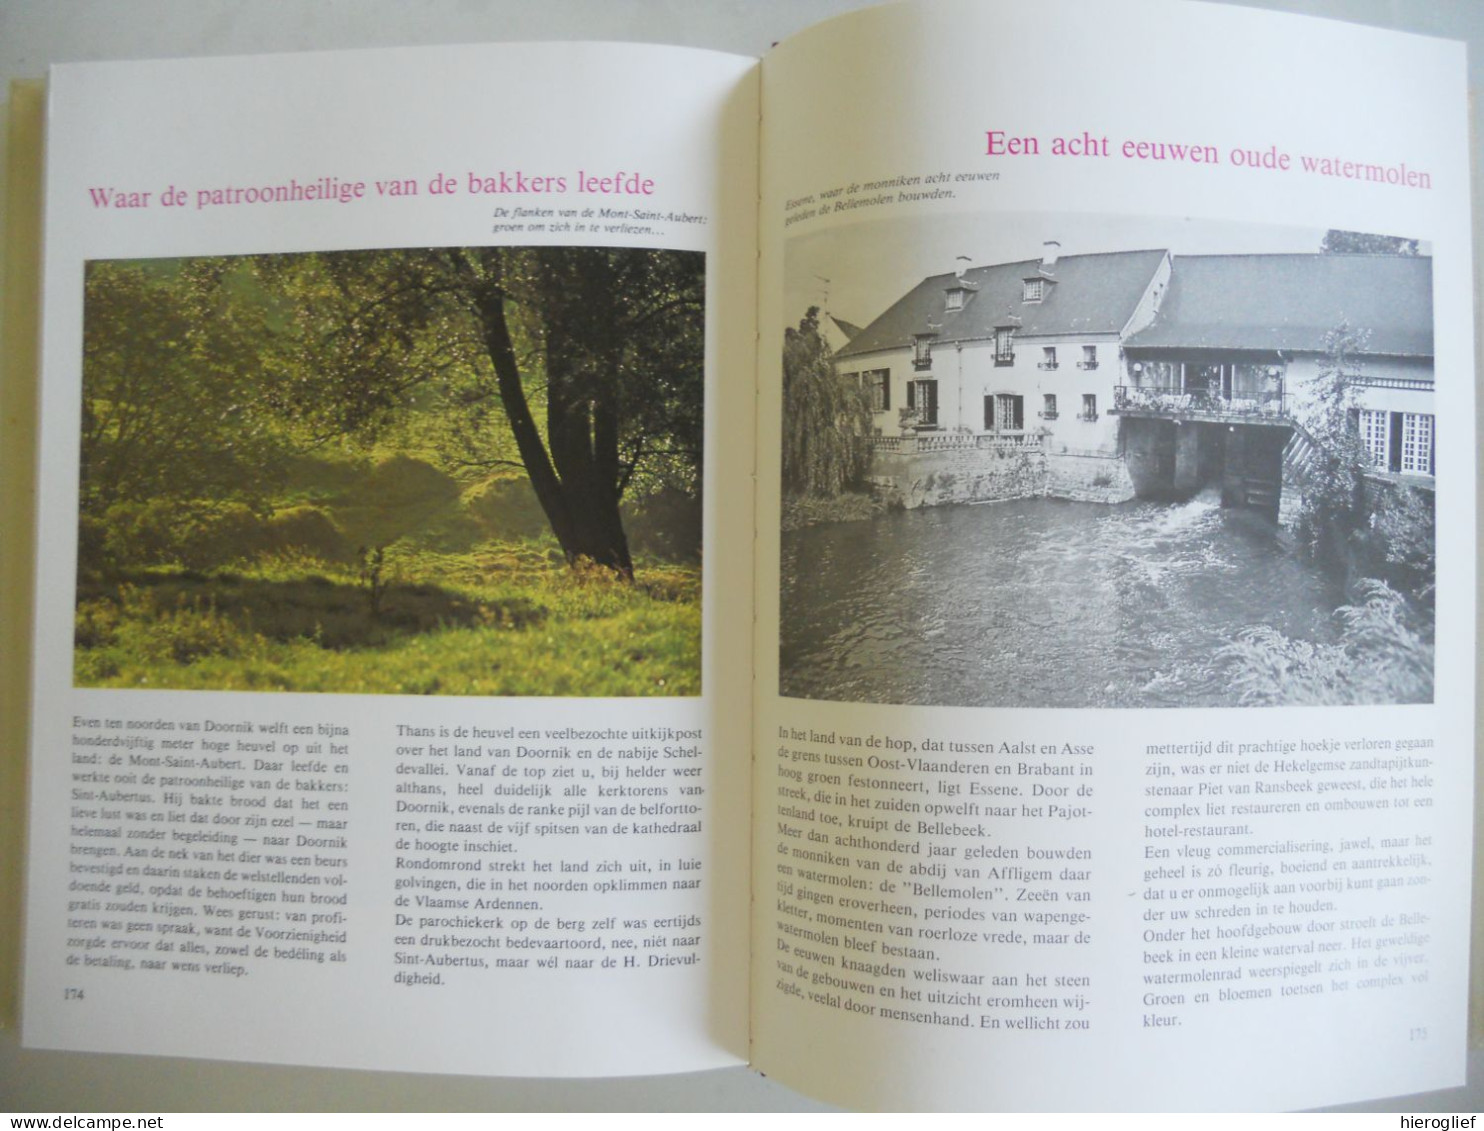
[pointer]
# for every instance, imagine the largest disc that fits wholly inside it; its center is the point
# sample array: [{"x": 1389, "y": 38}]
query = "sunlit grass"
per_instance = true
[{"x": 506, "y": 618}]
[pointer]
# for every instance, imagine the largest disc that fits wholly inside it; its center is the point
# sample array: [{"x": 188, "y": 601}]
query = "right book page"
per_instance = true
[{"x": 1115, "y": 651}]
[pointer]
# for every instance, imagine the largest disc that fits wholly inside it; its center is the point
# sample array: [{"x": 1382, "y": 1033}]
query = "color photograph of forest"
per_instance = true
[{"x": 440, "y": 471}]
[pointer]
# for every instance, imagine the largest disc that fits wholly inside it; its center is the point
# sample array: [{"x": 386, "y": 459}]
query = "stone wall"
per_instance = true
[
  {"x": 977, "y": 475},
  {"x": 1088, "y": 477},
  {"x": 1149, "y": 455},
  {"x": 958, "y": 475}
]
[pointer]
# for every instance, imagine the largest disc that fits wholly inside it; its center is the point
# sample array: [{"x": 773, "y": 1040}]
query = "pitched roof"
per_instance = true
[
  {"x": 849, "y": 329},
  {"x": 1089, "y": 294},
  {"x": 1289, "y": 302},
  {"x": 836, "y": 332}
]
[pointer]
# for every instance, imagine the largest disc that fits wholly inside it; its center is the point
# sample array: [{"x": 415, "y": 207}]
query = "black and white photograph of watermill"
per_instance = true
[{"x": 1039, "y": 461}]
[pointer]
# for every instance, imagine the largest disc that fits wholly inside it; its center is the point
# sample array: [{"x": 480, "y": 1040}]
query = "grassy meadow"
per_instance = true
[
  {"x": 470, "y": 594},
  {"x": 319, "y": 472}
]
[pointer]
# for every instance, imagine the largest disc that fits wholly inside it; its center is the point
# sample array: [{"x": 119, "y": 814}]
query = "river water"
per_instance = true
[{"x": 1039, "y": 603}]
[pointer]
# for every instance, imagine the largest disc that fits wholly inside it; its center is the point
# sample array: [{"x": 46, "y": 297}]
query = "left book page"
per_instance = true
[{"x": 382, "y": 692}]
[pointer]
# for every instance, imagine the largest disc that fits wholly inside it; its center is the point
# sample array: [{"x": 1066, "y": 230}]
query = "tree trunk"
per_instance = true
[
  {"x": 576, "y": 482},
  {"x": 581, "y": 417}
]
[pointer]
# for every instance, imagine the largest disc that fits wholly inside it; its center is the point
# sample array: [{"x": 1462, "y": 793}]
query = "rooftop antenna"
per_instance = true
[{"x": 824, "y": 292}]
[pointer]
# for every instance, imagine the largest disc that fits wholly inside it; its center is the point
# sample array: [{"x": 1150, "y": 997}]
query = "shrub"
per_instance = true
[
  {"x": 96, "y": 624},
  {"x": 403, "y": 480},
  {"x": 138, "y": 623},
  {"x": 1383, "y": 655},
  {"x": 1403, "y": 528},
  {"x": 192, "y": 631},
  {"x": 309, "y": 530},
  {"x": 398, "y": 498},
  {"x": 666, "y": 524},
  {"x": 197, "y": 534},
  {"x": 92, "y": 542},
  {"x": 506, "y": 507}
]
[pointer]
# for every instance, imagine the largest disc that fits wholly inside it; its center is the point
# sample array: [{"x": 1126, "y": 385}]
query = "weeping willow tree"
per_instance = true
[{"x": 826, "y": 420}]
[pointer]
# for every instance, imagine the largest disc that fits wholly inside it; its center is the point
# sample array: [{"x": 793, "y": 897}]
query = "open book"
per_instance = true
[{"x": 913, "y": 565}]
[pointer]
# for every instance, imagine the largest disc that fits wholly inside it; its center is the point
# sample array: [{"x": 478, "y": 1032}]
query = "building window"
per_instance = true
[
  {"x": 1089, "y": 358},
  {"x": 1157, "y": 376},
  {"x": 1004, "y": 412},
  {"x": 1397, "y": 441},
  {"x": 923, "y": 396},
  {"x": 922, "y": 351},
  {"x": 1004, "y": 346},
  {"x": 1375, "y": 435},
  {"x": 1034, "y": 290},
  {"x": 877, "y": 384},
  {"x": 1048, "y": 357},
  {"x": 955, "y": 298},
  {"x": 1049, "y": 411},
  {"x": 1416, "y": 454},
  {"x": 1089, "y": 406}
]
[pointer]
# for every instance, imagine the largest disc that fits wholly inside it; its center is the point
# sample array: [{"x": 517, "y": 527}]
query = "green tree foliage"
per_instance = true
[
  {"x": 1384, "y": 655},
  {"x": 1358, "y": 523},
  {"x": 591, "y": 358},
  {"x": 826, "y": 421},
  {"x": 1337, "y": 241},
  {"x": 1403, "y": 537},
  {"x": 169, "y": 407},
  {"x": 1334, "y": 504}
]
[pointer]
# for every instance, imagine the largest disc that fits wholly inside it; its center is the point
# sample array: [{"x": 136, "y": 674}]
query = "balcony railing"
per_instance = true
[
  {"x": 1421, "y": 384},
  {"x": 941, "y": 441},
  {"x": 1176, "y": 402},
  {"x": 1087, "y": 365},
  {"x": 1008, "y": 438},
  {"x": 957, "y": 441},
  {"x": 922, "y": 442}
]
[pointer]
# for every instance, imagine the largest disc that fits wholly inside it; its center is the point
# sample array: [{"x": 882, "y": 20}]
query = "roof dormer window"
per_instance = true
[
  {"x": 955, "y": 298},
  {"x": 1033, "y": 290}
]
